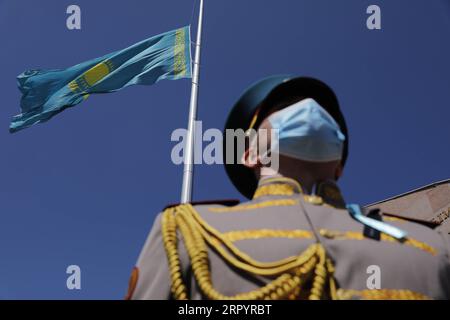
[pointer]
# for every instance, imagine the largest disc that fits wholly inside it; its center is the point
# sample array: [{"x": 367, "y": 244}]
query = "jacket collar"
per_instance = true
[
  {"x": 324, "y": 192},
  {"x": 277, "y": 186}
]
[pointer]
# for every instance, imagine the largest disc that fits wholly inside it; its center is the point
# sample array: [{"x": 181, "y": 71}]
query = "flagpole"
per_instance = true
[{"x": 188, "y": 173}]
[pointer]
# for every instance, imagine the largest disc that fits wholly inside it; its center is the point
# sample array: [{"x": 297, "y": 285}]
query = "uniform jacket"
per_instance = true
[{"x": 285, "y": 244}]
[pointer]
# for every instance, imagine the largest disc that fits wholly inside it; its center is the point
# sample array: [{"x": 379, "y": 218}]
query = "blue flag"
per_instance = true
[{"x": 46, "y": 93}]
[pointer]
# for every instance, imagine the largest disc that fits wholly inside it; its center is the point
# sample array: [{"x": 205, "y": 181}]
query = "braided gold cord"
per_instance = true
[
  {"x": 197, "y": 251},
  {"x": 218, "y": 238},
  {"x": 286, "y": 181},
  {"x": 354, "y": 235},
  {"x": 308, "y": 275},
  {"x": 169, "y": 234},
  {"x": 289, "y": 276},
  {"x": 234, "y": 236},
  {"x": 274, "y": 190},
  {"x": 316, "y": 200},
  {"x": 320, "y": 276},
  {"x": 413, "y": 243},
  {"x": 250, "y": 265},
  {"x": 332, "y": 284}
]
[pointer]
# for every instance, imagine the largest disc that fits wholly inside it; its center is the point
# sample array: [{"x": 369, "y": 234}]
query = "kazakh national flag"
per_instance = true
[{"x": 46, "y": 93}]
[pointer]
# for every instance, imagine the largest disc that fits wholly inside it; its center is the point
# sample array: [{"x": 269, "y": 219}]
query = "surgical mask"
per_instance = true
[{"x": 306, "y": 131}]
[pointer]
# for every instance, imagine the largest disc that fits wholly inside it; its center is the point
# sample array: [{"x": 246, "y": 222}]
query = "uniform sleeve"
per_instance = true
[{"x": 151, "y": 275}]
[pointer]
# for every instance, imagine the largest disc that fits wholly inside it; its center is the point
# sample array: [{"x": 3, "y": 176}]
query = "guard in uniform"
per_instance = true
[{"x": 296, "y": 237}]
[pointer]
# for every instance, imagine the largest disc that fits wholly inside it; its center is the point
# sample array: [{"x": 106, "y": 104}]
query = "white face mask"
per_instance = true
[{"x": 306, "y": 131}]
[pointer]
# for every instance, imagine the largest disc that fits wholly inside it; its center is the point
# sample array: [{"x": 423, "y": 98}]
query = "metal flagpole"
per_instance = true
[{"x": 188, "y": 173}]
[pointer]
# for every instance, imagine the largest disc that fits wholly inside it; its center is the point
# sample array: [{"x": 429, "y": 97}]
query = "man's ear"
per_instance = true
[{"x": 250, "y": 159}]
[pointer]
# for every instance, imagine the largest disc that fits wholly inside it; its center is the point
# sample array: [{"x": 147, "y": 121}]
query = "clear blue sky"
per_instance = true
[{"x": 85, "y": 187}]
